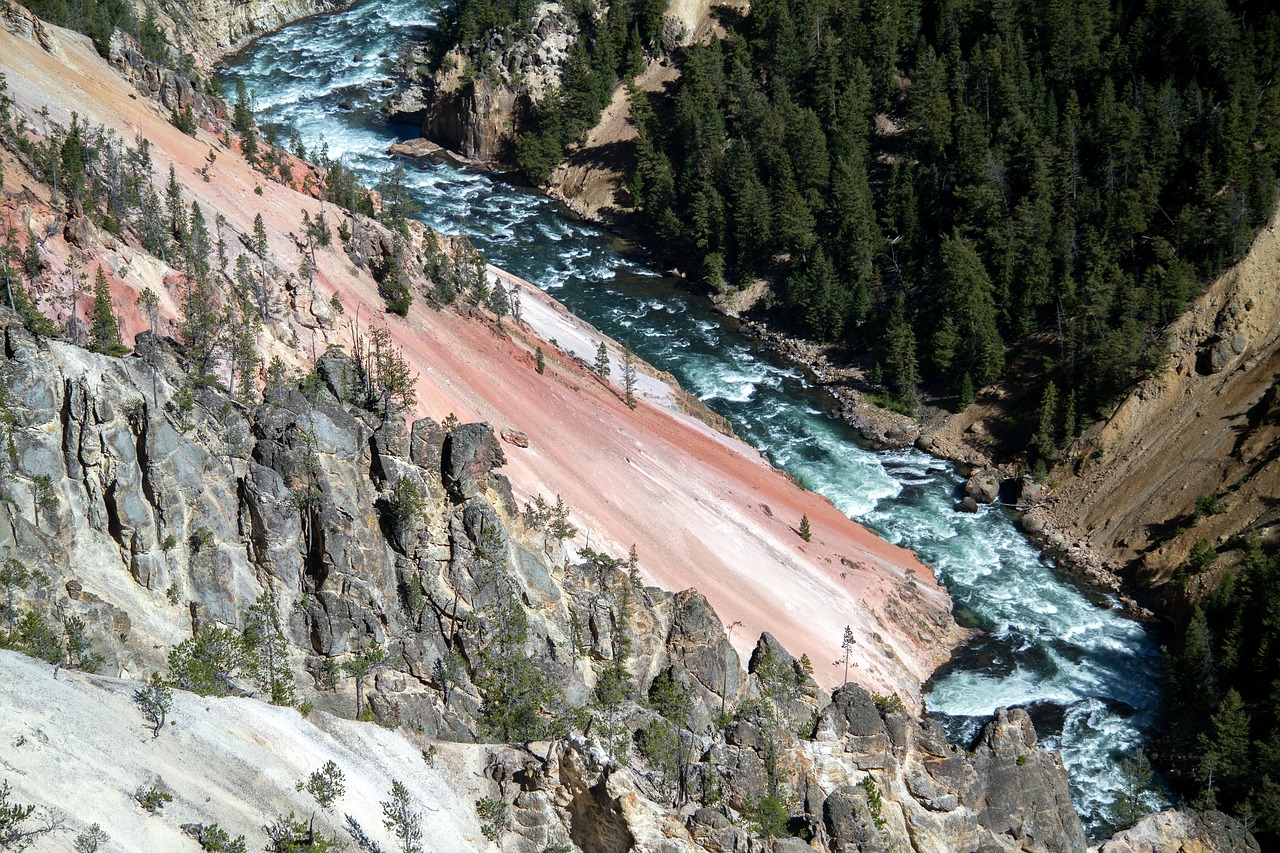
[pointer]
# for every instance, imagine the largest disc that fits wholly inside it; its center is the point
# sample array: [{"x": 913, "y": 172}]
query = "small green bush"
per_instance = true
[
  {"x": 152, "y": 799},
  {"x": 493, "y": 817}
]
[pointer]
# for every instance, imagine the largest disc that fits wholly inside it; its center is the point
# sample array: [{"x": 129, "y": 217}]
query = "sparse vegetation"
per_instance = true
[
  {"x": 493, "y": 817},
  {"x": 406, "y": 506},
  {"x": 215, "y": 839},
  {"x": 766, "y": 817},
  {"x": 325, "y": 785},
  {"x": 90, "y": 840},
  {"x": 891, "y": 704},
  {"x": 20, "y": 824},
  {"x": 874, "y": 802},
  {"x": 400, "y": 819},
  {"x": 365, "y": 664},
  {"x": 209, "y": 662},
  {"x": 289, "y": 834},
  {"x": 151, "y": 798},
  {"x": 154, "y": 700}
]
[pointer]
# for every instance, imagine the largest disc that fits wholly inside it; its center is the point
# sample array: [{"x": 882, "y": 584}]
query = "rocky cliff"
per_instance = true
[
  {"x": 171, "y": 520},
  {"x": 475, "y": 101},
  {"x": 305, "y": 538},
  {"x": 211, "y": 29}
]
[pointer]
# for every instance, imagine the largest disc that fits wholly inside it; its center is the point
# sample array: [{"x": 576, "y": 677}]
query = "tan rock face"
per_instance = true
[
  {"x": 477, "y": 119},
  {"x": 475, "y": 113},
  {"x": 220, "y": 27},
  {"x": 1205, "y": 426},
  {"x": 1183, "y": 832}
]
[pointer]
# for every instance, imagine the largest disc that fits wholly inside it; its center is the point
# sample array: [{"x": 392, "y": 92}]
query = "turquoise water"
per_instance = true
[{"x": 1087, "y": 673}]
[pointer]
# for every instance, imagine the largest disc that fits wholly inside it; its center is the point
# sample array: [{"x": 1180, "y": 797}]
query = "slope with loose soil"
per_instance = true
[
  {"x": 1204, "y": 428},
  {"x": 704, "y": 510}
]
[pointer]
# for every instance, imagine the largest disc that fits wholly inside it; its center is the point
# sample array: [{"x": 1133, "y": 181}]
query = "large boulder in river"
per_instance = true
[{"x": 983, "y": 487}]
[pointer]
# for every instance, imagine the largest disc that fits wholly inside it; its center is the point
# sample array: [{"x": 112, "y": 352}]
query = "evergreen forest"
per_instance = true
[
  {"x": 98, "y": 19},
  {"x": 933, "y": 182},
  {"x": 1223, "y": 685}
]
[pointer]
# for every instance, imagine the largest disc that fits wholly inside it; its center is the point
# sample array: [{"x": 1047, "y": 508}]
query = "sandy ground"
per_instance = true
[
  {"x": 77, "y": 743},
  {"x": 704, "y": 511}
]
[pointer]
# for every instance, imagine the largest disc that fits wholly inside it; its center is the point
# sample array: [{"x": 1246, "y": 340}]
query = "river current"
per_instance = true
[{"x": 1088, "y": 674}]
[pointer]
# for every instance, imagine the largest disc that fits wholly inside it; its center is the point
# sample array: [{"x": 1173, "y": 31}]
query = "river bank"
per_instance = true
[
  {"x": 1046, "y": 644},
  {"x": 960, "y": 438}
]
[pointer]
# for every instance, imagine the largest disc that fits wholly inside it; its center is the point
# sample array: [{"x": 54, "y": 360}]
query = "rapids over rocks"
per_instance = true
[{"x": 1088, "y": 675}]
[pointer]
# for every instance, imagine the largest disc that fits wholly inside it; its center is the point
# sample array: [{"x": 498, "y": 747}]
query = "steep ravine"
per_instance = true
[
  {"x": 157, "y": 504},
  {"x": 1093, "y": 671}
]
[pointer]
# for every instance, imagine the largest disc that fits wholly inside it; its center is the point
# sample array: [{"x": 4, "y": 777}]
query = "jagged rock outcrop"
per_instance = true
[
  {"x": 175, "y": 90},
  {"x": 474, "y": 103},
  {"x": 1192, "y": 832},
  {"x": 1006, "y": 794},
  {"x": 157, "y": 508},
  {"x": 216, "y": 28}
]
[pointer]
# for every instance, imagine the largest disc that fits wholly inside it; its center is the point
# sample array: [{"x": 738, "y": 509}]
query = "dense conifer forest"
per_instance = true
[
  {"x": 1223, "y": 687},
  {"x": 933, "y": 182}
]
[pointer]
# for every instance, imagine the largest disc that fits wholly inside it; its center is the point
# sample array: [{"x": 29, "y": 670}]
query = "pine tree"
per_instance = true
[
  {"x": 368, "y": 663},
  {"x": 539, "y": 361},
  {"x": 268, "y": 647},
  {"x": 201, "y": 330},
  {"x": 32, "y": 260},
  {"x": 805, "y": 532},
  {"x": 401, "y": 820},
  {"x": 1045, "y": 441},
  {"x": 1226, "y": 746},
  {"x": 242, "y": 354},
  {"x": 628, "y": 376},
  {"x": 197, "y": 247},
  {"x": 498, "y": 301},
  {"x": 176, "y": 210},
  {"x": 903, "y": 372},
  {"x": 104, "y": 329},
  {"x": 601, "y": 365},
  {"x": 75, "y": 287},
  {"x": 261, "y": 247},
  {"x": 149, "y": 304},
  {"x": 242, "y": 120},
  {"x": 969, "y": 294},
  {"x": 847, "y": 643}
]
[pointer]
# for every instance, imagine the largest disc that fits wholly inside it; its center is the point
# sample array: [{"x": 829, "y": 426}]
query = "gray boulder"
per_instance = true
[{"x": 983, "y": 487}]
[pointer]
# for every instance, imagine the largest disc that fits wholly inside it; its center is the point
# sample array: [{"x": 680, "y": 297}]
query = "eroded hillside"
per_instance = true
[
  {"x": 343, "y": 515},
  {"x": 1190, "y": 454}
]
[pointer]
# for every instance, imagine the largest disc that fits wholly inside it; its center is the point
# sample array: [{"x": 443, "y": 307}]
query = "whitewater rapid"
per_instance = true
[{"x": 1088, "y": 674}]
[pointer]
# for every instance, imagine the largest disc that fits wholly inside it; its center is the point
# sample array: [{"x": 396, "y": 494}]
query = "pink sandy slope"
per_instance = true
[{"x": 703, "y": 510}]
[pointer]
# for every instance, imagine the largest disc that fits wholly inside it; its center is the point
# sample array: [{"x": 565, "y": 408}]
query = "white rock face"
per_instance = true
[{"x": 76, "y": 743}]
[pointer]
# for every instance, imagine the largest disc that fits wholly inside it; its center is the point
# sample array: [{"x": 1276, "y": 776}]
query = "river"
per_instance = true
[{"x": 1088, "y": 674}]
